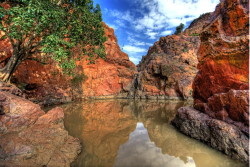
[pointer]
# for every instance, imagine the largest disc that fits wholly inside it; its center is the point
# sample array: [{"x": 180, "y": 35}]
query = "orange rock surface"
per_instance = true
[
  {"x": 47, "y": 84},
  {"x": 224, "y": 63},
  {"x": 110, "y": 76}
]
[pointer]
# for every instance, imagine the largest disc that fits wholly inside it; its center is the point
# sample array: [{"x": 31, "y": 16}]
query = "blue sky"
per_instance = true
[{"x": 140, "y": 23}]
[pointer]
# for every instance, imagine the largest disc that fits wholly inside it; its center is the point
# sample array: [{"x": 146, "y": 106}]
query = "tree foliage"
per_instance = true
[
  {"x": 51, "y": 27},
  {"x": 179, "y": 29}
]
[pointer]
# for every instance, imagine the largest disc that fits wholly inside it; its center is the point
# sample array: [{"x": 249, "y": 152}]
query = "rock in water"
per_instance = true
[
  {"x": 29, "y": 137},
  {"x": 218, "y": 134}
]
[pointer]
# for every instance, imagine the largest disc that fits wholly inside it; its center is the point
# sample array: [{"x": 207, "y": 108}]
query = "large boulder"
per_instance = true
[
  {"x": 218, "y": 134},
  {"x": 31, "y": 137}
]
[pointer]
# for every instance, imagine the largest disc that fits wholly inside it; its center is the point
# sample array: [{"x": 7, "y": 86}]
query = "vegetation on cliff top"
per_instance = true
[
  {"x": 50, "y": 28},
  {"x": 179, "y": 29}
]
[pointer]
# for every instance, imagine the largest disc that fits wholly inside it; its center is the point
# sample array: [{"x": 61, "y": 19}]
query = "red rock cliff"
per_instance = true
[
  {"x": 167, "y": 71},
  {"x": 221, "y": 85},
  {"x": 108, "y": 77},
  {"x": 224, "y": 64},
  {"x": 45, "y": 83},
  {"x": 169, "y": 68}
]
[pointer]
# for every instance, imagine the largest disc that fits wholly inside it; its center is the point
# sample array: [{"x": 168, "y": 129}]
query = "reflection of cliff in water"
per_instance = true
[
  {"x": 111, "y": 136},
  {"x": 102, "y": 127}
]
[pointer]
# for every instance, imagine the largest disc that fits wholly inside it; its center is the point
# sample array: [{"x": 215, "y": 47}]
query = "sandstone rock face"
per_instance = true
[
  {"x": 30, "y": 138},
  {"x": 197, "y": 26},
  {"x": 168, "y": 70},
  {"x": 110, "y": 77},
  {"x": 43, "y": 81},
  {"x": 224, "y": 63},
  {"x": 221, "y": 85},
  {"x": 218, "y": 134}
]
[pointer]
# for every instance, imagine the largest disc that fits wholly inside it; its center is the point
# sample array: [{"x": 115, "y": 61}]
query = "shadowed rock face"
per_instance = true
[{"x": 31, "y": 138}]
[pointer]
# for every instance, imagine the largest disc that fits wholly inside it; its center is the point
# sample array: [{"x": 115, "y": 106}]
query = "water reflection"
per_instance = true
[
  {"x": 140, "y": 151},
  {"x": 124, "y": 133}
]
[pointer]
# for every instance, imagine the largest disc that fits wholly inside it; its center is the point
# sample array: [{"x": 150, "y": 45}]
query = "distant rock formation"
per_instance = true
[
  {"x": 29, "y": 137},
  {"x": 169, "y": 68},
  {"x": 221, "y": 87}
]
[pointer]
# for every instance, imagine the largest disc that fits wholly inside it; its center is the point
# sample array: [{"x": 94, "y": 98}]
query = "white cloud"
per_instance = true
[
  {"x": 121, "y": 15},
  {"x": 151, "y": 34},
  {"x": 133, "y": 49},
  {"x": 170, "y": 13},
  {"x": 112, "y": 26},
  {"x": 135, "y": 60},
  {"x": 119, "y": 23},
  {"x": 133, "y": 41},
  {"x": 167, "y": 32}
]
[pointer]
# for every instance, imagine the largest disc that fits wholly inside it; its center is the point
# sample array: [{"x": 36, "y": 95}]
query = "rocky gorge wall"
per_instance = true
[
  {"x": 169, "y": 68},
  {"x": 208, "y": 62},
  {"x": 110, "y": 77},
  {"x": 221, "y": 87},
  {"x": 44, "y": 82},
  {"x": 166, "y": 72}
]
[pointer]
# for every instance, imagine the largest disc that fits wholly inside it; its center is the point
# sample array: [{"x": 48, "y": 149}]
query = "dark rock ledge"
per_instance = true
[
  {"x": 31, "y": 138},
  {"x": 220, "y": 135}
]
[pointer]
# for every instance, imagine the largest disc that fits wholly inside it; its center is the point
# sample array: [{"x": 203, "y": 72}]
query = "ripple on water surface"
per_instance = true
[{"x": 123, "y": 133}]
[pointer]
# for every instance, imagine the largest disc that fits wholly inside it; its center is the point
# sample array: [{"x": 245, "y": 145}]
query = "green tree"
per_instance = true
[
  {"x": 51, "y": 28},
  {"x": 179, "y": 29}
]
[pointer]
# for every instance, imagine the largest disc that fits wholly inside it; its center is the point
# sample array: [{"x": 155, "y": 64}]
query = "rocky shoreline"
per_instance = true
[{"x": 207, "y": 63}]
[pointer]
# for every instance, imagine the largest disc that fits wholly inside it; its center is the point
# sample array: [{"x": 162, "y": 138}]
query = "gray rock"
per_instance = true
[{"x": 220, "y": 135}]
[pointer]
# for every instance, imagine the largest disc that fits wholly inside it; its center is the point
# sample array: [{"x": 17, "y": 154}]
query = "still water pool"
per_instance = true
[{"x": 123, "y": 133}]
